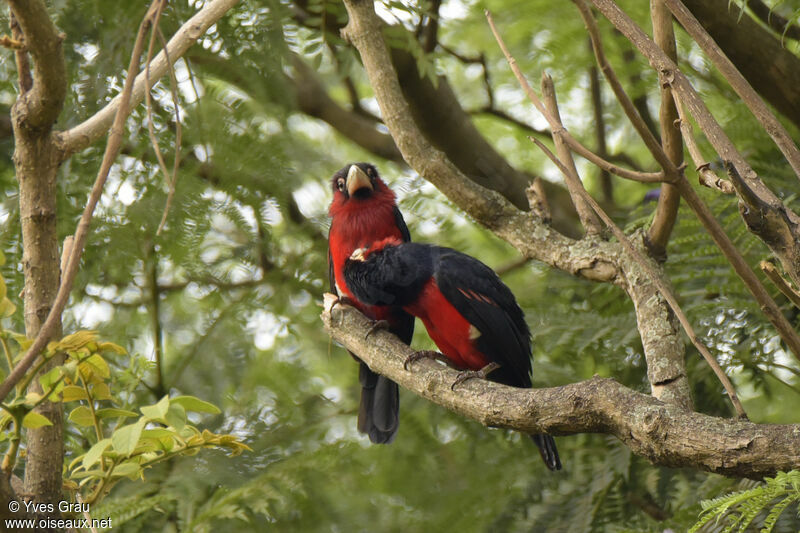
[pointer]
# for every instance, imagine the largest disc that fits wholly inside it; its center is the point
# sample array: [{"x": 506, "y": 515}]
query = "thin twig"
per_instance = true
[
  {"x": 149, "y": 96},
  {"x": 12, "y": 43},
  {"x": 669, "y": 200},
  {"x": 68, "y": 277},
  {"x": 588, "y": 219},
  {"x": 21, "y": 56},
  {"x": 595, "y": 90},
  {"x": 176, "y": 162},
  {"x": 650, "y": 140},
  {"x": 655, "y": 279},
  {"x": 784, "y": 286}
]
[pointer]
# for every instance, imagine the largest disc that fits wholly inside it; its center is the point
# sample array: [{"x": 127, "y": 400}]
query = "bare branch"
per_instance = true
[
  {"x": 589, "y": 220},
  {"x": 669, "y": 199},
  {"x": 595, "y": 91},
  {"x": 706, "y": 176},
  {"x": 600, "y": 405},
  {"x": 739, "y": 84},
  {"x": 81, "y": 136},
  {"x": 577, "y": 147}
]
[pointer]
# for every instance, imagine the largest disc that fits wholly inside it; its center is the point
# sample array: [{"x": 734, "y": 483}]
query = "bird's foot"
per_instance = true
[
  {"x": 341, "y": 300},
  {"x": 470, "y": 374},
  {"x": 424, "y": 354},
  {"x": 378, "y": 324}
]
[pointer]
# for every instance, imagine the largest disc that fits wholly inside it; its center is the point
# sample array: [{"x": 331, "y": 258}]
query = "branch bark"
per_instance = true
[{"x": 664, "y": 434}]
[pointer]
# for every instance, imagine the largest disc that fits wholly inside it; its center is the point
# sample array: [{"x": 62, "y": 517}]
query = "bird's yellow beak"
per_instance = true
[{"x": 357, "y": 179}]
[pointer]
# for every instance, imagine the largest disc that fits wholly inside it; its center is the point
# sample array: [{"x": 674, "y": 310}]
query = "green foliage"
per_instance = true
[{"x": 762, "y": 505}]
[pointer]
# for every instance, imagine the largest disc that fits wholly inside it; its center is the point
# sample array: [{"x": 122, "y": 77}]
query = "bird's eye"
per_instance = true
[
  {"x": 340, "y": 184},
  {"x": 370, "y": 172}
]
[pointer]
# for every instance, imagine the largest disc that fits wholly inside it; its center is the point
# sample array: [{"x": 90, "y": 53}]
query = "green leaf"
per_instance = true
[
  {"x": 35, "y": 420},
  {"x": 95, "y": 364},
  {"x": 50, "y": 377},
  {"x": 129, "y": 469},
  {"x": 7, "y": 308},
  {"x": 196, "y": 405},
  {"x": 100, "y": 391},
  {"x": 82, "y": 416},
  {"x": 72, "y": 393},
  {"x": 126, "y": 438},
  {"x": 157, "y": 411},
  {"x": 111, "y": 412},
  {"x": 176, "y": 416},
  {"x": 94, "y": 453}
]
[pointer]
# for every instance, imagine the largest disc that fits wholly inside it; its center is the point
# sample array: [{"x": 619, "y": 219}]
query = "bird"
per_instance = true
[
  {"x": 469, "y": 313},
  {"x": 364, "y": 210}
]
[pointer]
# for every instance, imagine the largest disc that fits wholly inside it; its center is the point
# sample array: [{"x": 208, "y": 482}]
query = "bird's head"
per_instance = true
[{"x": 358, "y": 186}]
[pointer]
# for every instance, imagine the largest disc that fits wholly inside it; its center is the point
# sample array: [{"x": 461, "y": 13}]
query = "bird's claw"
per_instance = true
[
  {"x": 378, "y": 324},
  {"x": 465, "y": 375},
  {"x": 341, "y": 300},
  {"x": 424, "y": 354}
]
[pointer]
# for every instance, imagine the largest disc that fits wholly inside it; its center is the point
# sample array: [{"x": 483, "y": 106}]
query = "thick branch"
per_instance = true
[
  {"x": 41, "y": 105},
  {"x": 665, "y": 435},
  {"x": 84, "y": 134}
]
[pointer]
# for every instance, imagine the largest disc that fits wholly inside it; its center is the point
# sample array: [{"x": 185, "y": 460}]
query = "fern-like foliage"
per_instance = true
[{"x": 762, "y": 505}]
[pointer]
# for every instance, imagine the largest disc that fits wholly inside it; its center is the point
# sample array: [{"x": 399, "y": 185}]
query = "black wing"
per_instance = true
[
  {"x": 392, "y": 276},
  {"x": 488, "y": 304}
]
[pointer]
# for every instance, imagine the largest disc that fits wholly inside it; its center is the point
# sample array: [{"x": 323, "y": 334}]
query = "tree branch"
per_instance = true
[
  {"x": 669, "y": 199},
  {"x": 663, "y": 434},
  {"x": 739, "y": 84},
  {"x": 86, "y": 133},
  {"x": 589, "y": 220},
  {"x": 42, "y": 104}
]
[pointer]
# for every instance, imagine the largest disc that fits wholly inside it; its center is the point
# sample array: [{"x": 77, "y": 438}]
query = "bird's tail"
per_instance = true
[
  {"x": 548, "y": 450},
  {"x": 378, "y": 413}
]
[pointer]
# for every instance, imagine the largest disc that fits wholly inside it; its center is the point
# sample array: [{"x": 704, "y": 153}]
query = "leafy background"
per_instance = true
[{"x": 240, "y": 268}]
